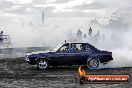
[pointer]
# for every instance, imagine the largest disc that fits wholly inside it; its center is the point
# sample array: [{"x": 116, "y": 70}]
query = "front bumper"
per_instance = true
[
  {"x": 32, "y": 62},
  {"x": 27, "y": 59}
]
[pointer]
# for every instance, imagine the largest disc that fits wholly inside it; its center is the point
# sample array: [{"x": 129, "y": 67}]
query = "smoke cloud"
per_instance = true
[{"x": 62, "y": 19}]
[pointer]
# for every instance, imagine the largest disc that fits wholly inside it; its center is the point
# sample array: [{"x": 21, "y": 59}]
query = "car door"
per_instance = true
[
  {"x": 63, "y": 56},
  {"x": 66, "y": 58},
  {"x": 81, "y": 54}
]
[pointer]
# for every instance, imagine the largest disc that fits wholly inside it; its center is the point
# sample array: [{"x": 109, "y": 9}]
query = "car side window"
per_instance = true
[
  {"x": 87, "y": 48},
  {"x": 73, "y": 48},
  {"x": 78, "y": 46},
  {"x": 81, "y": 47},
  {"x": 64, "y": 48},
  {"x": 84, "y": 48}
]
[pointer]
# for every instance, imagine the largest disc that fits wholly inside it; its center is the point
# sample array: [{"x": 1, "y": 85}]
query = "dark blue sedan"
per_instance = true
[{"x": 70, "y": 54}]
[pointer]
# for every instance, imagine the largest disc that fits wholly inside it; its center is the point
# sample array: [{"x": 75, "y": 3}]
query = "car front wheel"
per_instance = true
[
  {"x": 93, "y": 63},
  {"x": 42, "y": 64}
]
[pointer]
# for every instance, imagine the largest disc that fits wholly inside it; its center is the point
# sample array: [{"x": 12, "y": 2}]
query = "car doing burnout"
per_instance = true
[{"x": 69, "y": 54}]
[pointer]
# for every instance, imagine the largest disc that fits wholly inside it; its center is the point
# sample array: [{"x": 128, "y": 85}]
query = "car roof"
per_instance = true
[
  {"x": 76, "y": 43},
  {"x": 79, "y": 43}
]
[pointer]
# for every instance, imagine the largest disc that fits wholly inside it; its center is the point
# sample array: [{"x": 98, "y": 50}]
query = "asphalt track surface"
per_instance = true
[{"x": 17, "y": 73}]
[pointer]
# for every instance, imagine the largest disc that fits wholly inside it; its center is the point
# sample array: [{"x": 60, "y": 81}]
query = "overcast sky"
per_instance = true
[
  {"x": 61, "y": 9},
  {"x": 67, "y": 14}
]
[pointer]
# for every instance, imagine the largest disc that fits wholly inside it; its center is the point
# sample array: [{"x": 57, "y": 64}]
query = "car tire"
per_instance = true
[
  {"x": 93, "y": 63},
  {"x": 42, "y": 64}
]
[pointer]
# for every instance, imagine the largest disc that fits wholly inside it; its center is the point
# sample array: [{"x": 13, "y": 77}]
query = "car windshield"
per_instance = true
[{"x": 56, "y": 48}]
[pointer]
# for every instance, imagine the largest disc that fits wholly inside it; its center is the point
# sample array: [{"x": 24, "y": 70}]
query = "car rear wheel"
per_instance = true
[
  {"x": 42, "y": 64},
  {"x": 93, "y": 63}
]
